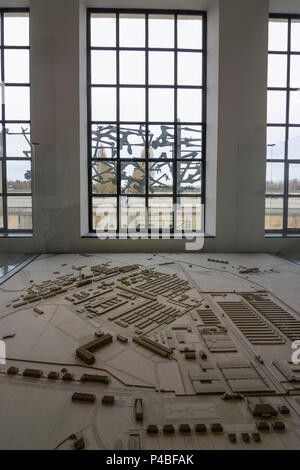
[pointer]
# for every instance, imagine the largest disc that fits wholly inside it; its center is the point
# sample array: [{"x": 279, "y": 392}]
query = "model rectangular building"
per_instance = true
[{"x": 85, "y": 352}]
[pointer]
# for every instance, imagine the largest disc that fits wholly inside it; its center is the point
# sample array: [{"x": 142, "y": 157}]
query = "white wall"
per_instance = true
[
  {"x": 284, "y": 6},
  {"x": 242, "y": 116},
  {"x": 237, "y": 65}
]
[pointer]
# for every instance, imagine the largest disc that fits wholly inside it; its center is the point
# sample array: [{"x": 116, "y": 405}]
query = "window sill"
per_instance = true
[
  {"x": 282, "y": 235},
  {"x": 145, "y": 237},
  {"x": 16, "y": 235}
]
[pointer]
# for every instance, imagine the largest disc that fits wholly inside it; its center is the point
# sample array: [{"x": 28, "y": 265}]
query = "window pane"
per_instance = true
[
  {"x": 104, "y": 141},
  {"x": 104, "y": 177},
  {"x": 16, "y": 29},
  {"x": 189, "y": 141},
  {"x": 19, "y": 212},
  {"x": 16, "y": 66},
  {"x": 133, "y": 178},
  {"x": 161, "y": 141},
  {"x": 132, "y": 30},
  {"x": 104, "y": 213},
  {"x": 132, "y": 104},
  {"x": 160, "y": 212},
  {"x": 1, "y": 188},
  {"x": 189, "y": 68},
  {"x": 295, "y": 35},
  {"x": 276, "y": 107},
  {"x": 295, "y": 107},
  {"x": 103, "y": 30},
  {"x": 132, "y": 141},
  {"x": 277, "y": 70},
  {"x": 133, "y": 213},
  {"x": 103, "y": 104},
  {"x": 278, "y": 35},
  {"x": 275, "y": 178},
  {"x": 294, "y": 143},
  {"x": 161, "y": 68},
  {"x": 189, "y": 105},
  {"x": 17, "y": 103},
  {"x": 18, "y": 176},
  {"x": 18, "y": 140},
  {"x": 294, "y": 179},
  {"x": 161, "y": 177},
  {"x": 161, "y": 31},
  {"x": 132, "y": 67},
  {"x": 275, "y": 142},
  {"x": 161, "y": 104},
  {"x": 295, "y": 71},
  {"x": 294, "y": 213},
  {"x": 274, "y": 213},
  {"x": 188, "y": 214},
  {"x": 189, "y": 32},
  {"x": 103, "y": 67},
  {"x": 189, "y": 177}
]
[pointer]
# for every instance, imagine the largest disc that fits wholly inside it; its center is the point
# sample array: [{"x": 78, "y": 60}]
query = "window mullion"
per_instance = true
[
  {"x": 147, "y": 124},
  {"x": 176, "y": 127},
  {"x": 118, "y": 120}
]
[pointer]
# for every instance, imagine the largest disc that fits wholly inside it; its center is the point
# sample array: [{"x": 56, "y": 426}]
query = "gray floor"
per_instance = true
[
  {"x": 10, "y": 258},
  {"x": 293, "y": 257}
]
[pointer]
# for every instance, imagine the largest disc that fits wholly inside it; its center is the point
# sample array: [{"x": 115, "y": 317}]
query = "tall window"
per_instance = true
[
  {"x": 15, "y": 151},
  {"x": 283, "y": 131},
  {"x": 146, "y": 111}
]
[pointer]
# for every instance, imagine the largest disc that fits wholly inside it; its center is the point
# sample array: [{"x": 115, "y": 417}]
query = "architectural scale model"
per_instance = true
[{"x": 151, "y": 352}]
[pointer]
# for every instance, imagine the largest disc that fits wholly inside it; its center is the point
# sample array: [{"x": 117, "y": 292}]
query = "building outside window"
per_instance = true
[{"x": 146, "y": 112}]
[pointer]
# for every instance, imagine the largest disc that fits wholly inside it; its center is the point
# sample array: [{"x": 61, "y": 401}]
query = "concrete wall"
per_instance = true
[
  {"x": 284, "y": 6},
  {"x": 237, "y": 74}
]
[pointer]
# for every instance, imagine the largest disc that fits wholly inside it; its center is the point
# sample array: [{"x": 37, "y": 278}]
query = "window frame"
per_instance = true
[
  {"x": 146, "y": 122},
  {"x": 3, "y": 161},
  {"x": 285, "y": 161}
]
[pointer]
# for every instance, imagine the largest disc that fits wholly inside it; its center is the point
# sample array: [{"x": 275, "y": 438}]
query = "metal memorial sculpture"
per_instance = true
[{"x": 161, "y": 151}]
